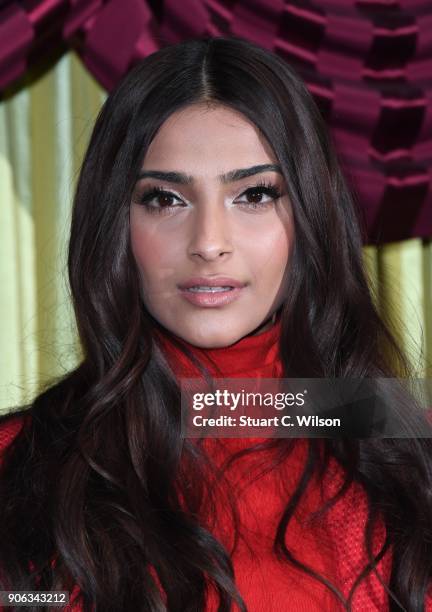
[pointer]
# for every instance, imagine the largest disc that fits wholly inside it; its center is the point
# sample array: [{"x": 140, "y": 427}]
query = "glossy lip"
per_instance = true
[
  {"x": 218, "y": 281},
  {"x": 210, "y": 300}
]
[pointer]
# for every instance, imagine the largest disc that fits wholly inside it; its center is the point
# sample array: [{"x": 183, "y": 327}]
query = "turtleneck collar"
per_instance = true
[{"x": 250, "y": 357}]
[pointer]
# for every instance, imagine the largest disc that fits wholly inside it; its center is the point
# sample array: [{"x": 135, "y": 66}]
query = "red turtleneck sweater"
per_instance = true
[
  {"x": 265, "y": 583},
  {"x": 334, "y": 548}
]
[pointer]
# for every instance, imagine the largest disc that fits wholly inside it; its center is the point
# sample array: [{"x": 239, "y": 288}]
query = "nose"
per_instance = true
[{"x": 210, "y": 239}]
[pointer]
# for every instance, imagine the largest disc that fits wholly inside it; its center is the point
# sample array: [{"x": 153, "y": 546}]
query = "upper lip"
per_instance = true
[{"x": 218, "y": 281}]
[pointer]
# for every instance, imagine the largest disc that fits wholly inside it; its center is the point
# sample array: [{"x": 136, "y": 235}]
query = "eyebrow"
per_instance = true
[{"x": 181, "y": 178}]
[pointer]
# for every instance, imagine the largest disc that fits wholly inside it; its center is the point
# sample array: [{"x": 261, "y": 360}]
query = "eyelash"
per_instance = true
[{"x": 265, "y": 188}]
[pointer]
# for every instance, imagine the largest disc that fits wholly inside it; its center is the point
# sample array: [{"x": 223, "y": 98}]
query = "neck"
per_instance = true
[{"x": 255, "y": 355}]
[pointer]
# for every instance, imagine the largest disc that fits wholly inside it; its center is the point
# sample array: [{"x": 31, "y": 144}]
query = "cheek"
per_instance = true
[
  {"x": 148, "y": 250},
  {"x": 271, "y": 254}
]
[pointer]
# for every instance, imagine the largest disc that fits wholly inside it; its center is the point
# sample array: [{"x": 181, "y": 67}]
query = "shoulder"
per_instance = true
[
  {"x": 346, "y": 524},
  {"x": 10, "y": 426}
]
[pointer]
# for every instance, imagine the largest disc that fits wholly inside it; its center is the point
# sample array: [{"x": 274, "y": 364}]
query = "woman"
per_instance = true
[{"x": 212, "y": 234}]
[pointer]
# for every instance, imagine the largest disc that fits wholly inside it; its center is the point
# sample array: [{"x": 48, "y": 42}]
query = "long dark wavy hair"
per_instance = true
[{"x": 99, "y": 478}]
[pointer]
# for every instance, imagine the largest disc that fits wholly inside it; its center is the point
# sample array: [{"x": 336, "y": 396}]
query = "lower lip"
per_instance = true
[{"x": 209, "y": 300}]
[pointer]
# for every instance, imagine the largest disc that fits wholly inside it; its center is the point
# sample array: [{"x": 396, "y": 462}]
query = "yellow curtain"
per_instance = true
[
  {"x": 400, "y": 276},
  {"x": 44, "y": 130}
]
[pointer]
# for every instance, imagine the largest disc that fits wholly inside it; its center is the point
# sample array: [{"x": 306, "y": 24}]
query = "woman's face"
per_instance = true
[{"x": 211, "y": 203}]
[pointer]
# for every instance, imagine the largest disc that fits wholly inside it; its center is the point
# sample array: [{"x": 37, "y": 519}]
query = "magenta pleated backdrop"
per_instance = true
[{"x": 367, "y": 63}]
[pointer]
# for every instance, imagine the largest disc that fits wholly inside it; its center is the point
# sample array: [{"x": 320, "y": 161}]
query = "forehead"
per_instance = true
[{"x": 204, "y": 139}]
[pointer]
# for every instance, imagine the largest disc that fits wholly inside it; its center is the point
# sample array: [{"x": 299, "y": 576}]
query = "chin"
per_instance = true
[{"x": 210, "y": 340}]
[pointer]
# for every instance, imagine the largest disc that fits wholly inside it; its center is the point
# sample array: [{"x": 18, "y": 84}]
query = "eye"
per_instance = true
[
  {"x": 259, "y": 196},
  {"x": 158, "y": 200}
]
